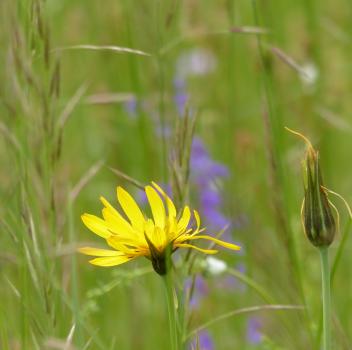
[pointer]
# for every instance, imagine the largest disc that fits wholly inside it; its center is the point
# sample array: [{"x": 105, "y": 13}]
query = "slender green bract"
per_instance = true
[
  {"x": 168, "y": 284},
  {"x": 326, "y": 297}
]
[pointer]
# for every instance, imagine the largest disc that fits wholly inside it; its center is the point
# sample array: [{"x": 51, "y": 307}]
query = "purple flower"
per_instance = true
[
  {"x": 210, "y": 198},
  {"x": 214, "y": 219},
  {"x": 219, "y": 170},
  {"x": 204, "y": 168},
  {"x": 181, "y": 99},
  {"x": 205, "y": 172},
  {"x": 181, "y": 96},
  {"x": 205, "y": 341},
  {"x": 200, "y": 158},
  {"x": 198, "y": 148},
  {"x": 254, "y": 335}
]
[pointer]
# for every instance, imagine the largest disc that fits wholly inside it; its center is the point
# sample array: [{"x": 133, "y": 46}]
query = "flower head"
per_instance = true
[
  {"x": 136, "y": 235},
  {"x": 318, "y": 220},
  {"x": 317, "y": 211}
]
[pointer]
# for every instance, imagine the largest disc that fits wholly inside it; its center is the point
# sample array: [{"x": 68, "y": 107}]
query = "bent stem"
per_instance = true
[
  {"x": 171, "y": 309},
  {"x": 325, "y": 274}
]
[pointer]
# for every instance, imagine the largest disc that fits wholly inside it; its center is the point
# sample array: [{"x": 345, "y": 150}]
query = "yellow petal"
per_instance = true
[
  {"x": 131, "y": 209},
  {"x": 128, "y": 237},
  {"x": 183, "y": 222},
  {"x": 149, "y": 228},
  {"x": 110, "y": 261},
  {"x": 155, "y": 235},
  {"x": 114, "y": 225},
  {"x": 206, "y": 251},
  {"x": 157, "y": 206},
  {"x": 98, "y": 252},
  {"x": 169, "y": 203},
  {"x": 196, "y": 216},
  {"x": 112, "y": 216},
  {"x": 217, "y": 241},
  {"x": 118, "y": 225},
  {"x": 108, "y": 205},
  {"x": 117, "y": 243},
  {"x": 96, "y": 225},
  {"x": 159, "y": 239},
  {"x": 171, "y": 228}
]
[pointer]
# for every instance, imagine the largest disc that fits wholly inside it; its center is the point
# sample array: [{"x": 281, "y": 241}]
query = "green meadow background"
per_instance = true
[{"x": 64, "y": 123}]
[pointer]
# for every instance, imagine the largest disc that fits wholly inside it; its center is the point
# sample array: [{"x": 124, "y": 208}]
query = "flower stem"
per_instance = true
[
  {"x": 168, "y": 284},
  {"x": 325, "y": 274}
]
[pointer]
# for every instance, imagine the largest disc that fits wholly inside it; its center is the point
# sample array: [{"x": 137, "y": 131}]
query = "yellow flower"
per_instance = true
[{"x": 141, "y": 236}]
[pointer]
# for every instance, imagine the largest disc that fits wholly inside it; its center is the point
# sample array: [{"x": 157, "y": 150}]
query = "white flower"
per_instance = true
[
  {"x": 309, "y": 74},
  {"x": 215, "y": 266},
  {"x": 195, "y": 62}
]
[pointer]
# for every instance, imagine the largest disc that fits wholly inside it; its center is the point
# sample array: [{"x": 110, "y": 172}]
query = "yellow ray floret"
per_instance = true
[{"x": 132, "y": 234}]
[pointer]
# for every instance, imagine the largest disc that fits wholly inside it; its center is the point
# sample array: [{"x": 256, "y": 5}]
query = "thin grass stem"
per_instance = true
[
  {"x": 171, "y": 310},
  {"x": 326, "y": 297},
  {"x": 243, "y": 311},
  {"x": 335, "y": 264},
  {"x": 161, "y": 81},
  {"x": 74, "y": 275},
  {"x": 252, "y": 284}
]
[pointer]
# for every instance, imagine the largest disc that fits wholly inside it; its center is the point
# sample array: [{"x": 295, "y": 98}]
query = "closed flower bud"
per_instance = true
[{"x": 317, "y": 217}]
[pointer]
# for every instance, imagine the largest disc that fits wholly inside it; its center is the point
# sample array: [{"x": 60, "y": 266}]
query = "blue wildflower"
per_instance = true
[
  {"x": 205, "y": 341},
  {"x": 254, "y": 334}
]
